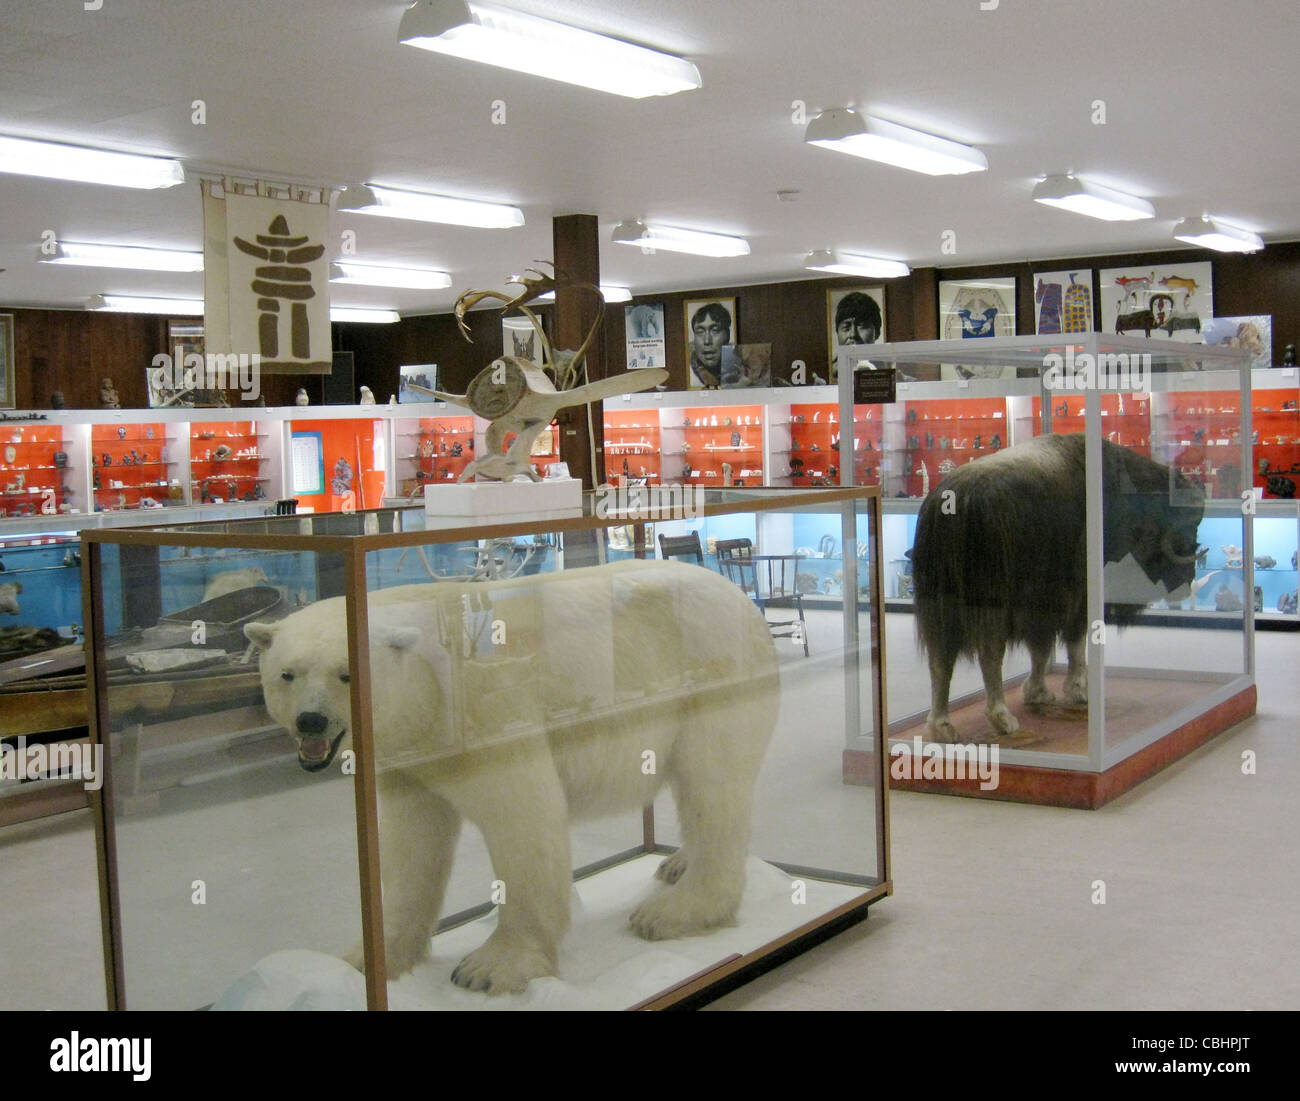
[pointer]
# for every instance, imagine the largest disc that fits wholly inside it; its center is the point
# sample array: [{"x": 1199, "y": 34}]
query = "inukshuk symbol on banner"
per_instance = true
[{"x": 282, "y": 277}]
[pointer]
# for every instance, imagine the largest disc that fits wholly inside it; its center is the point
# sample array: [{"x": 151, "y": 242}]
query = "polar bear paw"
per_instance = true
[
  {"x": 678, "y": 913},
  {"x": 670, "y": 871},
  {"x": 398, "y": 960},
  {"x": 501, "y": 968}
]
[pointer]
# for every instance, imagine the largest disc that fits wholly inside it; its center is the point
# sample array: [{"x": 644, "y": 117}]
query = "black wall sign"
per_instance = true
[{"x": 875, "y": 387}]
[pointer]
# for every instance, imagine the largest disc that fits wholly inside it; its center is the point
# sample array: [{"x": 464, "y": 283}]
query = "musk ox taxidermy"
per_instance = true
[{"x": 1000, "y": 559}]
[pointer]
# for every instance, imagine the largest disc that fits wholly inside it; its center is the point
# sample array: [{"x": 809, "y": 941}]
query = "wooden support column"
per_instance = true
[
  {"x": 925, "y": 305},
  {"x": 576, "y": 242}
]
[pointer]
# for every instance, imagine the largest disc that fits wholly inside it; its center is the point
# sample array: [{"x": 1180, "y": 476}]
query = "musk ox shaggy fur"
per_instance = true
[{"x": 1000, "y": 559}]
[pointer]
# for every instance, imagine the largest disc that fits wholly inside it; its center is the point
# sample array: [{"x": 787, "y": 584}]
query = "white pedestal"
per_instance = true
[{"x": 553, "y": 499}]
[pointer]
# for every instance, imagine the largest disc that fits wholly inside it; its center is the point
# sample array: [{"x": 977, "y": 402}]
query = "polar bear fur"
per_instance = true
[{"x": 524, "y": 703}]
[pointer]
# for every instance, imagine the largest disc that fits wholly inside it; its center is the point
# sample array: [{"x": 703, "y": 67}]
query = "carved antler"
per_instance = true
[{"x": 563, "y": 365}]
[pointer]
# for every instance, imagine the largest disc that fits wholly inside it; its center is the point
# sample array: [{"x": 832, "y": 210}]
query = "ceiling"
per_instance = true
[{"x": 1202, "y": 113}]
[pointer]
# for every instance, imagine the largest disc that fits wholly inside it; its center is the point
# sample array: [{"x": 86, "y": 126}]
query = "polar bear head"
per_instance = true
[{"x": 305, "y": 677}]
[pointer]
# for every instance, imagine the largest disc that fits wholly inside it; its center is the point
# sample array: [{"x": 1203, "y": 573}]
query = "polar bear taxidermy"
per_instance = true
[{"x": 524, "y": 703}]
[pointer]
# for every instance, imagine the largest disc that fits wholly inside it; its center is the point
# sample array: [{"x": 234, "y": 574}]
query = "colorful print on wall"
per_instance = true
[
  {"x": 854, "y": 315},
  {"x": 643, "y": 335},
  {"x": 975, "y": 309},
  {"x": 1255, "y": 333},
  {"x": 710, "y": 326},
  {"x": 1063, "y": 301},
  {"x": 1172, "y": 301}
]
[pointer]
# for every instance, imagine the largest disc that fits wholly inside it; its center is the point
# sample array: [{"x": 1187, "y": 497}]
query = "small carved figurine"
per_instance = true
[{"x": 108, "y": 395}]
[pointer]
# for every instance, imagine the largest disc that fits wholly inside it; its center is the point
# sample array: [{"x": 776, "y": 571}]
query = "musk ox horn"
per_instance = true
[{"x": 1167, "y": 545}]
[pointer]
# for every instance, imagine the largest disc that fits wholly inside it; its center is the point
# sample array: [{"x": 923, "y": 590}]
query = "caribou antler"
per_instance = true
[{"x": 533, "y": 288}]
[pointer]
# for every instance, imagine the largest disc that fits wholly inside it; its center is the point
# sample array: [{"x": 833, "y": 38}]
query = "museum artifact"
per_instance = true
[
  {"x": 521, "y": 398},
  {"x": 1008, "y": 565},
  {"x": 108, "y": 395},
  {"x": 521, "y": 745}
]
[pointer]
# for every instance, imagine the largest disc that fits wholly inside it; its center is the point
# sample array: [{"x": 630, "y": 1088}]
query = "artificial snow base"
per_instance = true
[{"x": 603, "y": 964}]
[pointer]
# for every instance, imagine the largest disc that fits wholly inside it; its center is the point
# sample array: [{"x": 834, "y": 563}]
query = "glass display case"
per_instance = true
[
  {"x": 228, "y": 461},
  {"x": 1084, "y": 604},
  {"x": 33, "y": 471},
  {"x": 658, "y": 787}
]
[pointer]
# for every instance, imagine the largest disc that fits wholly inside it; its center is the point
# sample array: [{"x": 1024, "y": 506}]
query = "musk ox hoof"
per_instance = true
[
  {"x": 1076, "y": 694},
  {"x": 941, "y": 730},
  {"x": 1039, "y": 696},
  {"x": 1003, "y": 721}
]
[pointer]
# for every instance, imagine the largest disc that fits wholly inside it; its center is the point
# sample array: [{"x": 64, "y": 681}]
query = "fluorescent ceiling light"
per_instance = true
[
  {"x": 130, "y": 257},
  {"x": 417, "y": 206},
  {"x": 851, "y": 263},
  {"x": 540, "y": 47},
  {"x": 671, "y": 239},
  {"x": 1211, "y": 233},
  {"x": 374, "y": 317},
  {"x": 120, "y": 303},
  {"x": 611, "y": 293},
  {"x": 845, "y": 131},
  {"x": 25, "y": 157},
  {"x": 1080, "y": 197},
  {"x": 375, "y": 275}
]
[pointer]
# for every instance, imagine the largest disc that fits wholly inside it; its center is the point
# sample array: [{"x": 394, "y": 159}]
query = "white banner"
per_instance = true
[{"x": 265, "y": 269}]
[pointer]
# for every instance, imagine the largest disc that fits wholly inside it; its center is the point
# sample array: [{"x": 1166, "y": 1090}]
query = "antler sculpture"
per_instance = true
[{"x": 520, "y": 397}]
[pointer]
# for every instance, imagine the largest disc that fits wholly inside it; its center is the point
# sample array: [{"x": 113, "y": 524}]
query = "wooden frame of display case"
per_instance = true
[{"x": 865, "y": 766}]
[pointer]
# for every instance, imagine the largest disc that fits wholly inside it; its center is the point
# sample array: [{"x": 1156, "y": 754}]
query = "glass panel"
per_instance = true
[
  {"x": 1178, "y": 571},
  {"x": 531, "y": 694},
  {"x": 525, "y": 712},
  {"x": 222, "y": 841}
]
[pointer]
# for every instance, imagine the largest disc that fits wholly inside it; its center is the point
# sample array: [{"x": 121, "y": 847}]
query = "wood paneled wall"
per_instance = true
[{"x": 73, "y": 350}]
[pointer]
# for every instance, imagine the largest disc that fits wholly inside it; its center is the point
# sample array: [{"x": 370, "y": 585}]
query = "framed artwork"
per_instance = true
[
  {"x": 854, "y": 315},
  {"x": 1174, "y": 301},
  {"x": 306, "y": 463},
  {"x": 971, "y": 309},
  {"x": 746, "y": 365},
  {"x": 162, "y": 393},
  {"x": 7, "y": 371},
  {"x": 423, "y": 375},
  {"x": 1063, "y": 301},
  {"x": 710, "y": 326},
  {"x": 643, "y": 334},
  {"x": 1255, "y": 333},
  {"x": 520, "y": 339}
]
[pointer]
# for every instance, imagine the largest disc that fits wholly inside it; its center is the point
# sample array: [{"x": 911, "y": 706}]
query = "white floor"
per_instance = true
[{"x": 993, "y": 907}]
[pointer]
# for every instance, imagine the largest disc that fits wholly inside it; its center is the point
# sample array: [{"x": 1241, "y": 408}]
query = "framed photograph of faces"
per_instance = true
[
  {"x": 854, "y": 315},
  {"x": 710, "y": 327},
  {"x": 972, "y": 309}
]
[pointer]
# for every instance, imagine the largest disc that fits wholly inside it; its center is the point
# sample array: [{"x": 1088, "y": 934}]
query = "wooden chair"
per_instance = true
[
  {"x": 681, "y": 546},
  {"x": 770, "y": 581}
]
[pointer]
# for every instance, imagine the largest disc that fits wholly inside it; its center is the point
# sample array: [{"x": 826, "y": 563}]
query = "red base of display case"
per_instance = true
[{"x": 1057, "y": 787}]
